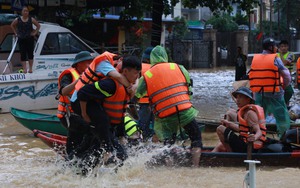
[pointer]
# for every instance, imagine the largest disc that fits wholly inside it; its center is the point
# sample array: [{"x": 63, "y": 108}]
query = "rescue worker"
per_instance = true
[
  {"x": 66, "y": 85},
  {"x": 103, "y": 104},
  {"x": 167, "y": 85},
  {"x": 265, "y": 76},
  {"x": 251, "y": 119},
  {"x": 288, "y": 59},
  {"x": 102, "y": 66},
  {"x": 146, "y": 117}
]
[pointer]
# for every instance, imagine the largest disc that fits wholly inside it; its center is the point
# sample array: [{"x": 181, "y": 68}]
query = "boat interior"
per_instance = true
[{"x": 6, "y": 44}]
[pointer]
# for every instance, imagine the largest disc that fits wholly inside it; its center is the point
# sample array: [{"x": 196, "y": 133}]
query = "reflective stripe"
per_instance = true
[
  {"x": 172, "y": 66},
  {"x": 148, "y": 74},
  {"x": 130, "y": 126},
  {"x": 102, "y": 91}
]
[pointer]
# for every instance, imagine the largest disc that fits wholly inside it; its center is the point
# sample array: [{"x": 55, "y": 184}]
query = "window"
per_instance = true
[
  {"x": 7, "y": 43},
  {"x": 62, "y": 43}
]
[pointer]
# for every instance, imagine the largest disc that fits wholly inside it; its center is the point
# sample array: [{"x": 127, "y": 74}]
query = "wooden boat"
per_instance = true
[
  {"x": 182, "y": 157},
  {"x": 43, "y": 122},
  {"x": 211, "y": 125},
  {"x": 54, "y": 141}
]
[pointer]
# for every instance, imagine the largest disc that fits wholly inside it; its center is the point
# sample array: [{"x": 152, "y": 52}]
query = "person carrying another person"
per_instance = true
[
  {"x": 102, "y": 66},
  {"x": 22, "y": 28},
  {"x": 288, "y": 59},
  {"x": 251, "y": 125},
  {"x": 103, "y": 105},
  {"x": 146, "y": 117},
  {"x": 167, "y": 85},
  {"x": 66, "y": 84},
  {"x": 265, "y": 76}
]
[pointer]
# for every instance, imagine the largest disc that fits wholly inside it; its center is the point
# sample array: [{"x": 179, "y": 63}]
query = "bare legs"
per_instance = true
[{"x": 25, "y": 66}]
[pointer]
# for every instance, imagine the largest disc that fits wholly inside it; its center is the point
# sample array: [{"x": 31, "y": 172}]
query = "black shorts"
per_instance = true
[{"x": 234, "y": 141}]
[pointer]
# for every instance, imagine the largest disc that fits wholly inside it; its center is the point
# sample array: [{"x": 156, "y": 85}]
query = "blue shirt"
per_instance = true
[{"x": 104, "y": 68}]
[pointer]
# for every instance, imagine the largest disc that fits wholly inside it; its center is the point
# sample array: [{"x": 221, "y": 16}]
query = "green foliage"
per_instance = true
[
  {"x": 241, "y": 19},
  {"x": 180, "y": 28},
  {"x": 223, "y": 23}
]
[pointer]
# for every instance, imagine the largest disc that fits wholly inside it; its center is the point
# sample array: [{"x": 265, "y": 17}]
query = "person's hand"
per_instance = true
[
  {"x": 225, "y": 122},
  {"x": 86, "y": 117},
  {"x": 123, "y": 141},
  {"x": 251, "y": 138},
  {"x": 130, "y": 90}
]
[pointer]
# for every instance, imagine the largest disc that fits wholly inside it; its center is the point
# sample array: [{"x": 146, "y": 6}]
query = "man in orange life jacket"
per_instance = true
[
  {"x": 167, "y": 85},
  {"x": 146, "y": 117},
  {"x": 66, "y": 84},
  {"x": 251, "y": 120},
  {"x": 102, "y": 66},
  {"x": 103, "y": 105},
  {"x": 267, "y": 71}
]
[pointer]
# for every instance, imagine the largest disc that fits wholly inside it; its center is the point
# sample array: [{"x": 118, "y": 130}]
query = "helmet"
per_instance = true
[
  {"x": 82, "y": 56},
  {"x": 267, "y": 43},
  {"x": 244, "y": 91},
  {"x": 146, "y": 54}
]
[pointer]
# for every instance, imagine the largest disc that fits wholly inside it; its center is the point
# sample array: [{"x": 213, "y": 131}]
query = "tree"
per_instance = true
[{"x": 157, "y": 7}]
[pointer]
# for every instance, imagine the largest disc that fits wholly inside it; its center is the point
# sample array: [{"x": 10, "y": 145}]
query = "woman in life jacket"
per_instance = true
[{"x": 250, "y": 127}]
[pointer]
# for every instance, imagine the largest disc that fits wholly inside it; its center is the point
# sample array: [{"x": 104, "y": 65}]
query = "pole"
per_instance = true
[
  {"x": 271, "y": 20},
  {"x": 250, "y": 177}
]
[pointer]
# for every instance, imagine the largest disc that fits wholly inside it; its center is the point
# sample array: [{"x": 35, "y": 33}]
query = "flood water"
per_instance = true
[{"x": 27, "y": 162}]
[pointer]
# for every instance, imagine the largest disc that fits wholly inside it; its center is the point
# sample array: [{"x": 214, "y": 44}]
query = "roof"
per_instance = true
[{"x": 117, "y": 17}]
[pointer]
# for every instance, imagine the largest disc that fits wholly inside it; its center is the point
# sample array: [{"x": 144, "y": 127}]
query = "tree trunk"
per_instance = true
[{"x": 157, "y": 12}]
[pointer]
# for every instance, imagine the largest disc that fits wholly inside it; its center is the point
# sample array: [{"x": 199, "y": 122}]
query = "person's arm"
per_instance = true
[
  {"x": 252, "y": 120},
  {"x": 231, "y": 125},
  {"x": 284, "y": 72},
  {"x": 84, "y": 112},
  {"x": 13, "y": 26},
  {"x": 37, "y": 25},
  {"x": 67, "y": 89},
  {"x": 141, "y": 89}
]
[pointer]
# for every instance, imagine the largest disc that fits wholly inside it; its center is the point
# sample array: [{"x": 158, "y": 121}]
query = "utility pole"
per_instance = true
[{"x": 271, "y": 13}]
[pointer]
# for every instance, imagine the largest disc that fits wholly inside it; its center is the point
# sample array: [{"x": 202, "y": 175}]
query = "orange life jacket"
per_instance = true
[
  {"x": 167, "y": 89},
  {"x": 244, "y": 127},
  {"x": 145, "y": 67},
  {"x": 264, "y": 75},
  {"x": 116, "y": 104},
  {"x": 89, "y": 75},
  {"x": 298, "y": 70},
  {"x": 64, "y": 101}
]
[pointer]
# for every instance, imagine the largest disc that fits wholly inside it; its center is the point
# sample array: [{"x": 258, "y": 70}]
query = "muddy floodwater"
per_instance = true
[{"x": 27, "y": 162}]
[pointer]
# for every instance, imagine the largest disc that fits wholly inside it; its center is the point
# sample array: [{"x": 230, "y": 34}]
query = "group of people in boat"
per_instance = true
[{"x": 95, "y": 93}]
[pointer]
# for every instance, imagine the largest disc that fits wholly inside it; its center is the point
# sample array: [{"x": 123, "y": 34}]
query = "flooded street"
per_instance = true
[{"x": 27, "y": 162}]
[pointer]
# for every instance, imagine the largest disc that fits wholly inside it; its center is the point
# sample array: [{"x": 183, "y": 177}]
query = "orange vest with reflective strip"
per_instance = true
[
  {"x": 298, "y": 70},
  {"x": 89, "y": 75},
  {"x": 264, "y": 75},
  {"x": 167, "y": 89},
  {"x": 64, "y": 101},
  {"x": 145, "y": 67},
  {"x": 116, "y": 104},
  {"x": 244, "y": 127}
]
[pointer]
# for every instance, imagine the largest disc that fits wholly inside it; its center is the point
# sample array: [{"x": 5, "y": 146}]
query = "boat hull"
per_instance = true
[
  {"x": 26, "y": 91},
  {"x": 54, "y": 141},
  {"x": 178, "y": 156},
  {"x": 42, "y": 122}
]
